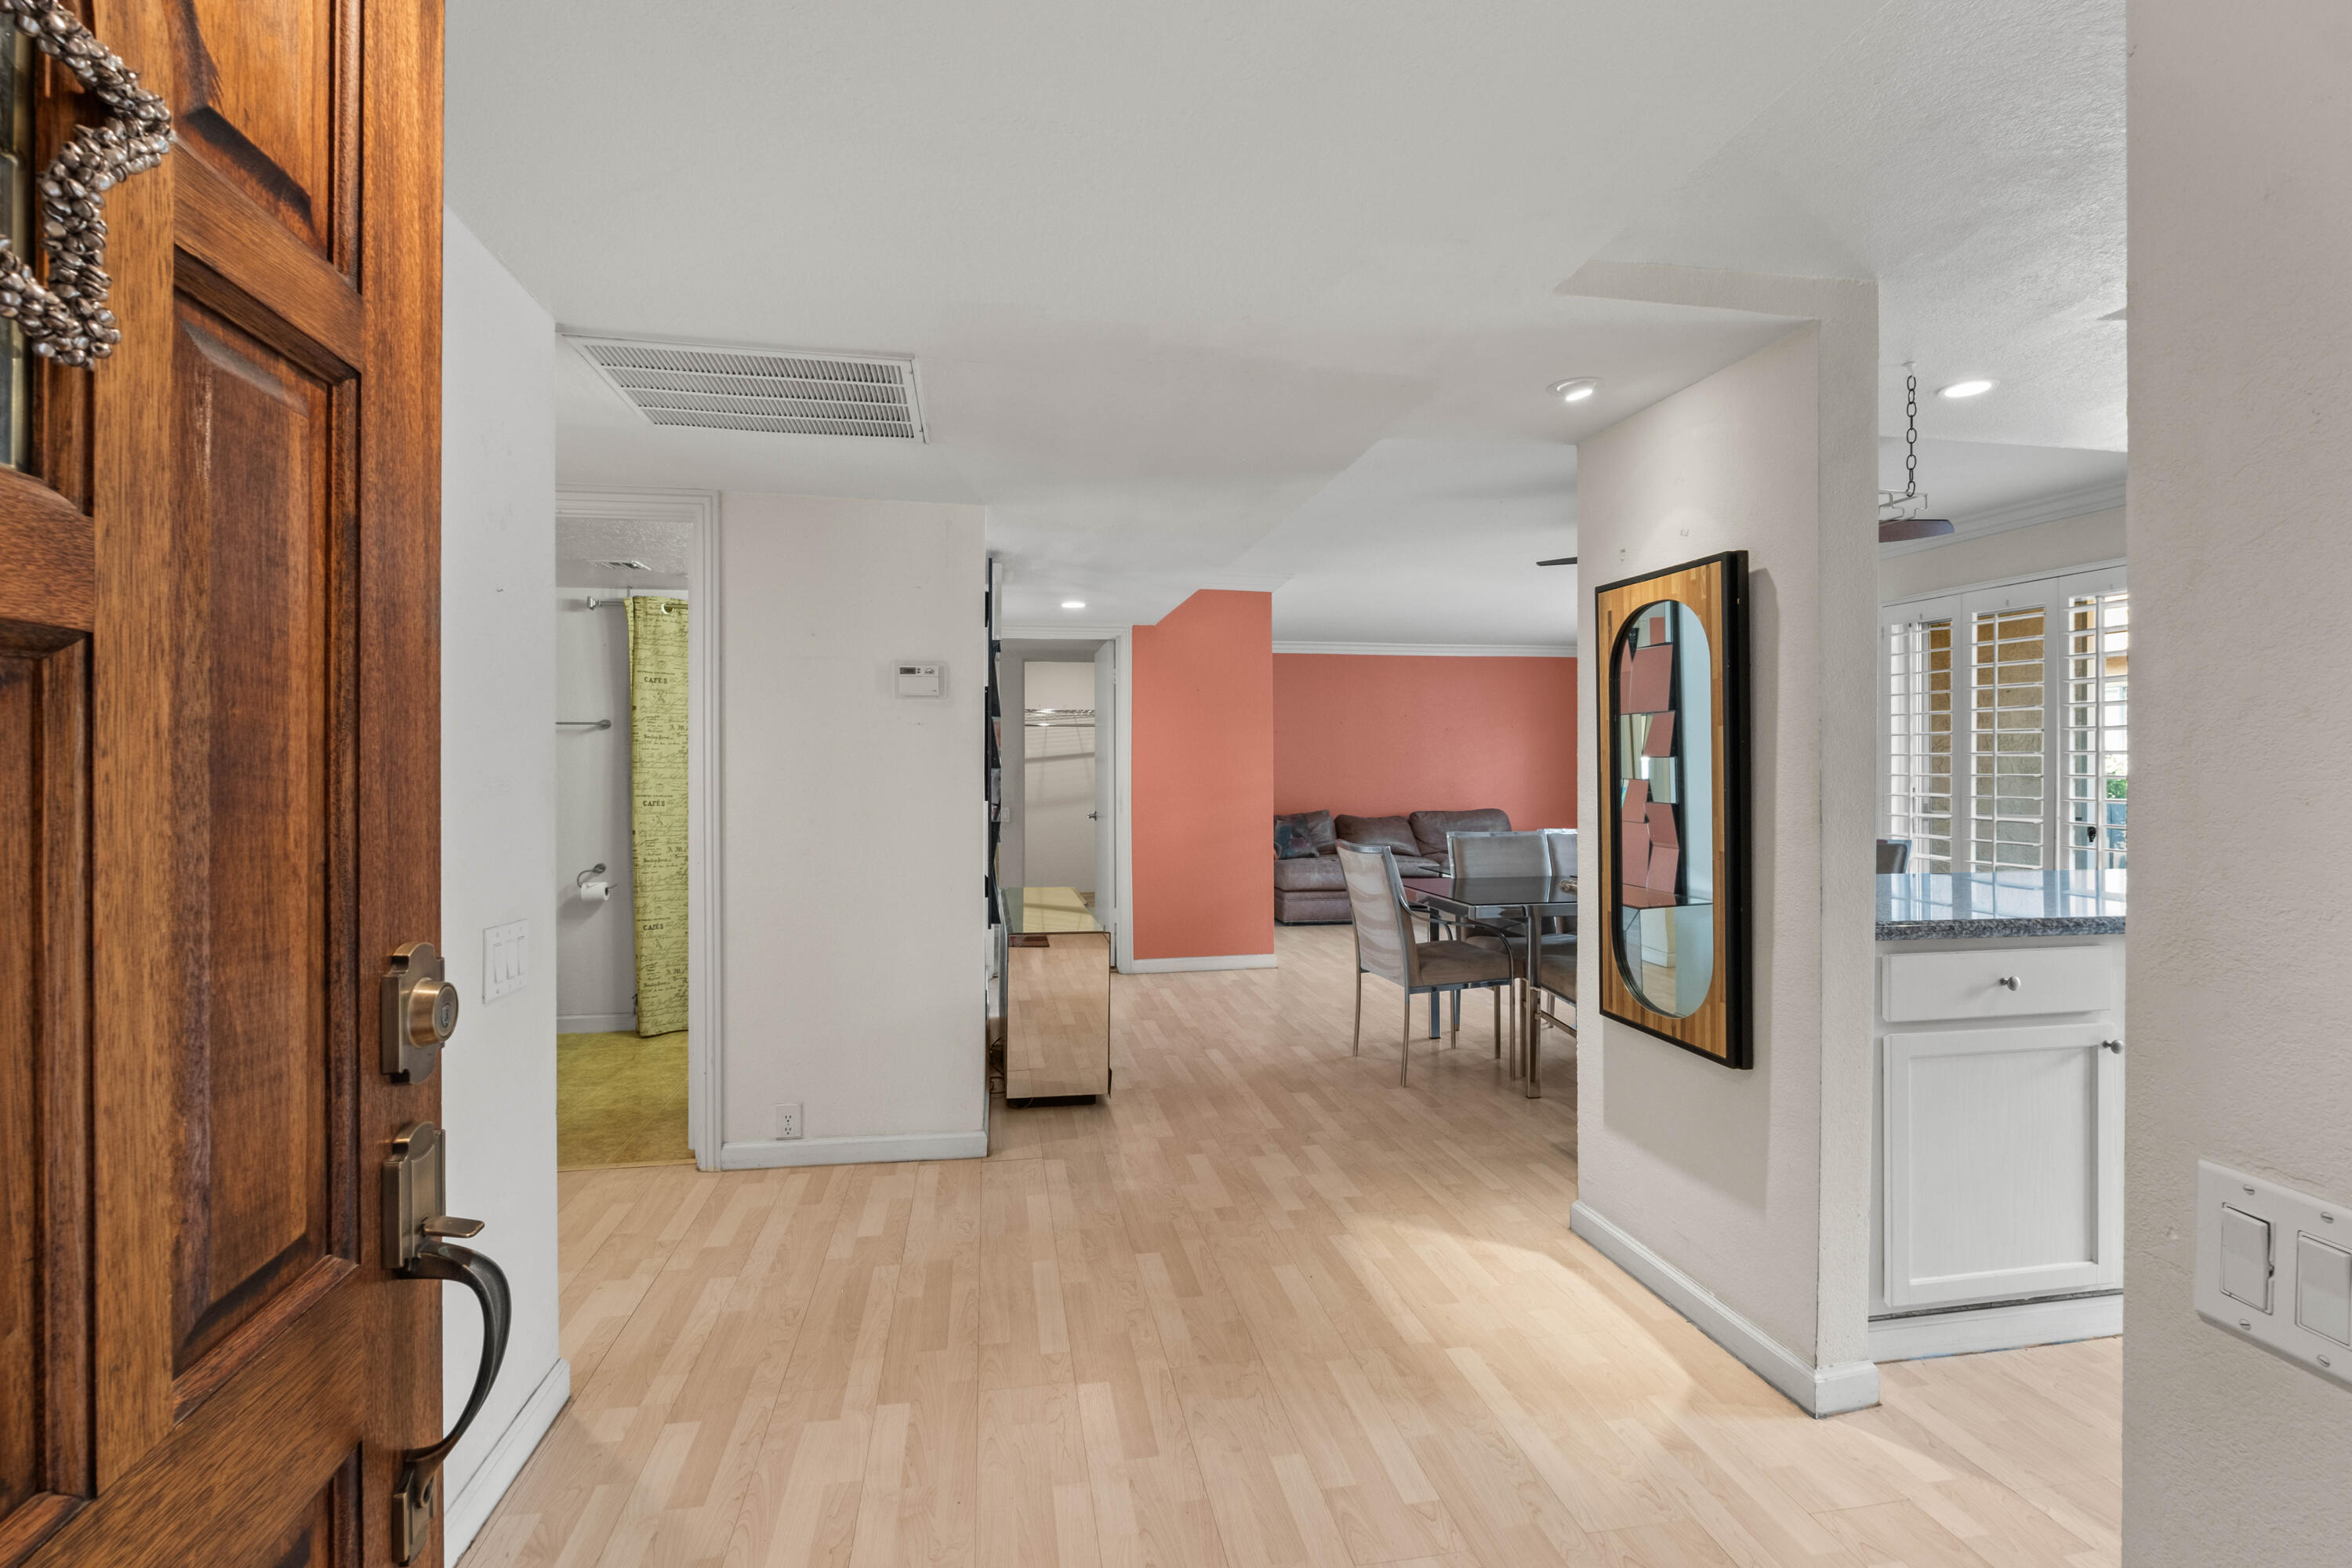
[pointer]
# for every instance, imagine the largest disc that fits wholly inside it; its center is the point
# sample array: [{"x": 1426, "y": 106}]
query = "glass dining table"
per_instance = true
[{"x": 1531, "y": 900}]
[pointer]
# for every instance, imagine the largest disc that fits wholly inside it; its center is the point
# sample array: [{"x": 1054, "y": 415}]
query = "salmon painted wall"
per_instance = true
[
  {"x": 1380, "y": 735},
  {"x": 1203, "y": 785}
]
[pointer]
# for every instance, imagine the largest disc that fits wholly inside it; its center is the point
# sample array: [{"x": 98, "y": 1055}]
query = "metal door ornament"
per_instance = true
[{"x": 67, "y": 319}]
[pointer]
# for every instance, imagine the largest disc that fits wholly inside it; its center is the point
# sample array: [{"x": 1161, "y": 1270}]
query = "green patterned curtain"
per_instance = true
[{"x": 657, "y": 808}]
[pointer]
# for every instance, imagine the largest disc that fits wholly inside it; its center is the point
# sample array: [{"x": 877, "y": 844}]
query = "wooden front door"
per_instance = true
[{"x": 219, "y": 789}]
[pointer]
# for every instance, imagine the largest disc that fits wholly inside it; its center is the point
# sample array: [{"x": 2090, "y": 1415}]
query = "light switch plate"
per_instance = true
[
  {"x": 506, "y": 959},
  {"x": 2306, "y": 1233}
]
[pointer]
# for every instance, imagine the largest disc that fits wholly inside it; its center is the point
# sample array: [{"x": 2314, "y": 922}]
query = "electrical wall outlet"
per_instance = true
[
  {"x": 788, "y": 1121},
  {"x": 506, "y": 959}
]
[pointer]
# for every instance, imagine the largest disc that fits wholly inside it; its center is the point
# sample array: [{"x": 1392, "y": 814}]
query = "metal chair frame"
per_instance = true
[{"x": 1405, "y": 930}]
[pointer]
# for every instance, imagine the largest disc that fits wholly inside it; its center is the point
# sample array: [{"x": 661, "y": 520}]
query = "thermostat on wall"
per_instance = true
[{"x": 918, "y": 680}]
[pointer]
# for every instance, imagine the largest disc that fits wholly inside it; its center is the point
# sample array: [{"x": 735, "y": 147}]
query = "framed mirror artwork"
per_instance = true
[{"x": 1673, "y": 831}]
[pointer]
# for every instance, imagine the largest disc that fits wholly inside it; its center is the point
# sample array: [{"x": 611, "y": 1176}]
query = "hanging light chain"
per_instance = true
[{"x": 1911, "y": 438}]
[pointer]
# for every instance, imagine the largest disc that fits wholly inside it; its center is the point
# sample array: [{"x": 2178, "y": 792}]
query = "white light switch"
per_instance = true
[
  {"x": 2274, "y": 1268},
  {"x": 506, "y": 959},
  {"x": 2323, "y": 1288},
  {"x": 2246, "y": 1258}
]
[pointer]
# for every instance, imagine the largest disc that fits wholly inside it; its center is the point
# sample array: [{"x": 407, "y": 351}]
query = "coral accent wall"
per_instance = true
[
  {"x": 1203, "y": 785},
  {"x": 1380, "y": 735}
]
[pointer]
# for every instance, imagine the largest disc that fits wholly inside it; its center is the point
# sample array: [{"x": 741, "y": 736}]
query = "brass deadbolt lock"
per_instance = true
[{"x": 420, "y": 1012}]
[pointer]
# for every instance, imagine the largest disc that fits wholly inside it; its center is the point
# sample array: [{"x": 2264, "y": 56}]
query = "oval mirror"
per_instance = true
[{"x": 1662, "y": 687}]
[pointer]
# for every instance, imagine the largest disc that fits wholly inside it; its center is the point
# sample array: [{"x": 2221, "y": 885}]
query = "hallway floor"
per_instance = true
[{"x": 1265, "y": 1307}]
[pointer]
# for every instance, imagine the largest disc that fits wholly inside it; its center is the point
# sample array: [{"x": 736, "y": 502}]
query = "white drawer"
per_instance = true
[{"x": 1996, "y": 982}]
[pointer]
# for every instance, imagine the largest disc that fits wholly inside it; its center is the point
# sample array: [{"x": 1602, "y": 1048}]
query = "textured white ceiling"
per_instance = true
[
  {"x": 1968, "y": 154},
  {"x": 1192, "y": 286}
]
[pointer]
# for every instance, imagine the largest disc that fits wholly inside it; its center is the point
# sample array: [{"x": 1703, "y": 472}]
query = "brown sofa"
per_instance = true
[{"x": 1307, "y": 885}]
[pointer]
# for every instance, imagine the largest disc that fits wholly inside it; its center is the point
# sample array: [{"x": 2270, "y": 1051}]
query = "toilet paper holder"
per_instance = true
[
  {"x": 596, "y": 871},
  {"x": 592, "y": 892}
]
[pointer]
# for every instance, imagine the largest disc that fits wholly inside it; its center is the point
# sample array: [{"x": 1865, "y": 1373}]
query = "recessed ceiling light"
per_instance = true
[
  {"x": 1965, "y": 389},
  {"x": 1578, "y": 390},
  {"x": 1074, "y": 604}
]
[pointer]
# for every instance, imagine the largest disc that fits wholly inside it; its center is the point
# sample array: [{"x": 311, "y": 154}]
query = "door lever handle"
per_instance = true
[
  {"x": 416, "y": 1495},
  {"x": 417, "y": 1244}
]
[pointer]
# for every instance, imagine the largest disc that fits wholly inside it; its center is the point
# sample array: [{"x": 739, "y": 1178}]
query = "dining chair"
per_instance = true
[
  {"x": 1498, "y": 854},
  {"x": 1516, "y": 854},
  {"x": 1384, "y": 946},
  {"x": 1561, "y": 841},
  {"x": 1893, "y": 856},
  {"x": 1556, "y": 977}
]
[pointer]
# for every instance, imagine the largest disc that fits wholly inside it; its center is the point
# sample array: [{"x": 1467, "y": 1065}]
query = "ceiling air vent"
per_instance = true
[{"x": 716, "y": 387}]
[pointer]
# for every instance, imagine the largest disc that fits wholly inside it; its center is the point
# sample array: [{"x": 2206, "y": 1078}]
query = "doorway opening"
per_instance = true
[
  {"x": 623, "y": 621},
  {"x": 1060, "y": 803}
]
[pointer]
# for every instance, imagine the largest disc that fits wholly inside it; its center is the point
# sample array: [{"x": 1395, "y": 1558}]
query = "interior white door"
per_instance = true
[
  {"x": 2004, "y": 1163},
  {"x": 1107, "y": 889}
]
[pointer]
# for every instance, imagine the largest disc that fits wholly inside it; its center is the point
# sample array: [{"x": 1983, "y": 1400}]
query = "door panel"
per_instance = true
[
  {"x": 267, "y": 1187},
  {"x": 45, "y": 1412},
  {"x": 258, "y": 104},
  {"x": 325, "y": 1534}
]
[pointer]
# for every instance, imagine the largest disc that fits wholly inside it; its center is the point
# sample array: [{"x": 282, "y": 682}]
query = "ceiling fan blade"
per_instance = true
[
  {"x": 1562, "y": 561},
  {"x": 1903, "y": 528}
]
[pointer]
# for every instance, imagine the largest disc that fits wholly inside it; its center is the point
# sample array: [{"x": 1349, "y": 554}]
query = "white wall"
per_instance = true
[
  {"x": 1753, "y": 1188},
  {"x": 596, "y": 975},
  {"x": 2092, "y": 539},
  {"x": 1057, "y": 787},
  {"x": 2242, "y": 575},
  {"x": 855, "y": 928},
  {"x": 498, "y": 846}
]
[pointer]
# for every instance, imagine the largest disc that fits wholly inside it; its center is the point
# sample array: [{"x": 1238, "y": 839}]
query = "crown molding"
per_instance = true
[
  {"x": 2104, "y": 496},
  {"x": 1436, "y": 649}
]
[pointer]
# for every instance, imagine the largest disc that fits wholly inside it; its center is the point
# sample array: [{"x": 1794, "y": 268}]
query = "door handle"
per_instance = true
[{"x": 417, "y": 1244}]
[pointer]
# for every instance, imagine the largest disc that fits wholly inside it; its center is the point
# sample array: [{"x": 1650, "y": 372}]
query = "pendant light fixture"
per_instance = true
[{"x": 1900, "y": 516}]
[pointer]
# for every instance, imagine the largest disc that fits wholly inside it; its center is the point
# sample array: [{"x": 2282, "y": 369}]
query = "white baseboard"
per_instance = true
[
  {"x": 471, "y": 1509},
  {"x": 597, "y": 1024},
  {"x": 2009, "y": 1328},
  {"x": 1185, "y": 965},
  {"x": 1817, "y": 1391},
  {"x": 882, "y": 1148}
]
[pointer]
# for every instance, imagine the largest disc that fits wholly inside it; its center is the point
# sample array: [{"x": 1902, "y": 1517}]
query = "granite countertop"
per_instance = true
[{"x": 1996, "y": 904}]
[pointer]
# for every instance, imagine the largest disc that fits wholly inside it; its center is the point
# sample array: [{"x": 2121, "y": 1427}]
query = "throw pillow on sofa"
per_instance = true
[
  {"x": 1394, "y": 831},
  {"x": 1302, "y": 834}
]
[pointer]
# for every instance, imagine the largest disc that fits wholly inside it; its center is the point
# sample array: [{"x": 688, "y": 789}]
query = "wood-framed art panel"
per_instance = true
[{"x": 1672, "y": 870}]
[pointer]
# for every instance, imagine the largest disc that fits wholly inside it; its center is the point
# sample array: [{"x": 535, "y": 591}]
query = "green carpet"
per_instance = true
[{"x": 620, "y": 1101}]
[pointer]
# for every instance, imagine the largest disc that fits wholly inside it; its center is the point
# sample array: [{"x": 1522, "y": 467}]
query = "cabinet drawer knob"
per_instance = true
[
  {"x": 2008, "y": 982},
  {"x": 2114, "y": 1046}
]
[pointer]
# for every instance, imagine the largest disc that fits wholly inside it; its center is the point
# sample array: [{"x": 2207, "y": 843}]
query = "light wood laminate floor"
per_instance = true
[{"x": 1265, "y": 1307}]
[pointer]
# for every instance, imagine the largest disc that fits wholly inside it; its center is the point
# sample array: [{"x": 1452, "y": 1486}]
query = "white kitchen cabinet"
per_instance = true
[
  {"x": 2004, "y": 1163},
  {"x": 2000, "y": 1140}
]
